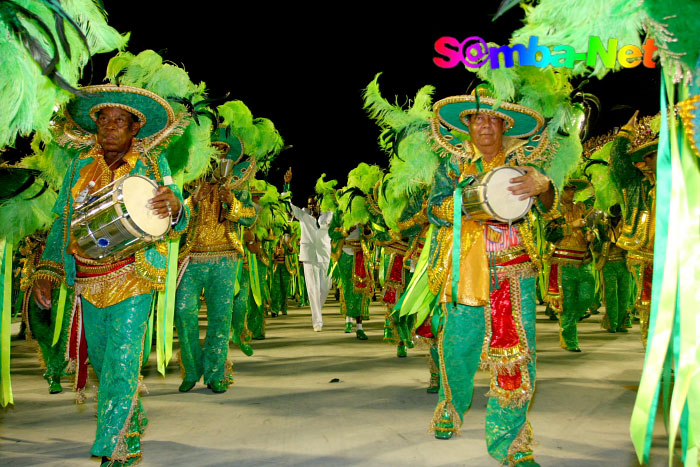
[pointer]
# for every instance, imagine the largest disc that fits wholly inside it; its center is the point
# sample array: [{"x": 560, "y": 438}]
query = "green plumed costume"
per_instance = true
[{"x": 114, "y": 306}]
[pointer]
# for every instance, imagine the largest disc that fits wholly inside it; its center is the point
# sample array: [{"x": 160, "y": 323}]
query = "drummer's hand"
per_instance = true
[
  {"x": 42, "y": 293},
  {"x": 533, "y": 183},
  {"x": 164, "y": 203}
]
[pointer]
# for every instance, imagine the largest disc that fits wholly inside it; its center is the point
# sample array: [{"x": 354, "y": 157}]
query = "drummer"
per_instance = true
[
  {"x": 489, "y": 320},
  {"x": 113, "y": 296}
]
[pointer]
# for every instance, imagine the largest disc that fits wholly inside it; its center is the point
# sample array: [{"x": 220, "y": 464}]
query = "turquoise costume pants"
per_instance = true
[
  {"x": 256, "y": 313},
  {"x": 115, "y": 337},
  {"x": 578, "y": 288},
  {"x": 461, "y": 346},
  {"x": 41, "y": 324},
  {"x": 217, "y": 278},
  {"x": 280, "y": 288},
  {"x": 241, "y": 303},
  {"x": 353, "y": 302},
  {"x": 617, "y": 283}
]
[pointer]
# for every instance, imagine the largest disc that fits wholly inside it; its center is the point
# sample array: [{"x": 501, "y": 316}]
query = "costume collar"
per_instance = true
[{"x": 508, "y": 145}]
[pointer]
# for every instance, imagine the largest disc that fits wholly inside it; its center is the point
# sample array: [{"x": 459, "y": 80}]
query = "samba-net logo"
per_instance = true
[{"x": 473, "y": 52}]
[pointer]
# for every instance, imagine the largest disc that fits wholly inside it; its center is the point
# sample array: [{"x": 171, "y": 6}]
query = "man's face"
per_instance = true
[
  {"x": 311, "y": 205},
  {"x": 115, "y": 129},
  {"x": 486, "y": 130}
]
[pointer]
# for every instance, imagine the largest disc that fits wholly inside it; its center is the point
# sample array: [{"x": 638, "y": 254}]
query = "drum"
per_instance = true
[
  {"x": 116, "y": 221},
  {"x": 488, "y": 198}
]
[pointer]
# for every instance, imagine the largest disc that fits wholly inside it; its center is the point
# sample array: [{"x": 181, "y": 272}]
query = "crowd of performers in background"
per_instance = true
[{"x": 488, "y": 203}]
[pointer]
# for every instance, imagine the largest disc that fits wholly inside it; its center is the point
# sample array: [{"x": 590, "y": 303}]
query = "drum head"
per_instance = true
[
  {"x": 505, "y": 205},
  {"x": 136, "y": 191}
]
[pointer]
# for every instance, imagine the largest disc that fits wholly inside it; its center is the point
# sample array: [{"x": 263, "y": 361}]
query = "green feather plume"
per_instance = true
[
  {"x": 50, "y": 158},
  {"x": 364, "y": 177},
  {"x": 326, "y": 190},
  {"x": 21, "y": 216},
  {"x": 674, "y": 28},
  {"x": 567, "y": 157},
  {"x": 572, "y": 22},
  {"x": 394, "y": 116},
  {"x": 28, "y": 96}
]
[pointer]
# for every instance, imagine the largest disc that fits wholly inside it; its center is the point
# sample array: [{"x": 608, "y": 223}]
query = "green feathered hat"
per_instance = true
[
  {"x": 228, "y": 144},
  {"x": 453, "y": 112},
  {"x": 152, "y": 111}
]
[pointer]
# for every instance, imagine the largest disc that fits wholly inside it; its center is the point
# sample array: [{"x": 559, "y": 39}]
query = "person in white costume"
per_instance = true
[{"x": 314, "y": 252}]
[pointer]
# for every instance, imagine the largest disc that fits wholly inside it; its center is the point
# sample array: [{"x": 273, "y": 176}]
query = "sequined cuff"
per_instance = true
[
  {"x": 553, "y": 212},
  {"x": 446, "y": 210},
  {"x": 183, "y": 215},
  {"x": 235, "y": 211},
  {"x": 49, "y": 270}
]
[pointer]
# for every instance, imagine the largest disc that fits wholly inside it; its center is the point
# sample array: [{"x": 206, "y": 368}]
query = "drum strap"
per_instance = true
[{"x": 457, "y": 237}]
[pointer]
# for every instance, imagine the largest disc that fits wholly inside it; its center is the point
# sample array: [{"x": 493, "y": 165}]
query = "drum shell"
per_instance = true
[
  {"x": 102, "y": 227},
  {"x": 476, "y": 203}
]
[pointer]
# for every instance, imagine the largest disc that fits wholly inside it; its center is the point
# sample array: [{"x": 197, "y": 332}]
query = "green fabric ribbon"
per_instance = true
[
  {"x": 418, "y": 299},
  {"x": 60, "y": 310},
  {"x": 382, "y": 268},
  {"x": 457, "y": 237},
  {"x": 166, "y": 303},
  {"x": 148, "y": 343},
  {"x": 660, "y": 325},
  {"x": 254, "y": 278},
  {"x": 5, "y": 324},
  {"x": 673, "y": 323}
]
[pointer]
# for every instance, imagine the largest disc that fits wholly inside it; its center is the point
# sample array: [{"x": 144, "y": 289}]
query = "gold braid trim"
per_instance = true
[
  {"x": 553, "y": 212},
  {"x": 438, "y": 270},
  {"x": 446, "y": 210},
  {"x": 50, "y": 270},
  {"x": 234, "y": 212},
  {"x": 445, "y": 410},
  {"x": 152, "y": 274},
  {"x": 525, "y": 234},
  {"x": 499, "y": 361},
  {"x": 522, "y": 444},
  {"x": 419, "y": 218}
]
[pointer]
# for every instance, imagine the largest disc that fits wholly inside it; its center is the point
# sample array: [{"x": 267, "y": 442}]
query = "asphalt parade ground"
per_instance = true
[{"x": 329, "y": 399}]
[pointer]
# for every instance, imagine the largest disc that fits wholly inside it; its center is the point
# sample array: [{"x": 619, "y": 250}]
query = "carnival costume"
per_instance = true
[
  {"x": 113, "y": 295},
  {"x": 611, "y": 261},
  {"x": 403, "y": 203},
  {"x": 41, "y": 323},
  {"x": 351, "y": 237},
  {"x": 571, "y": 284},
  {"x": 487, "y": 293},
  {"x": 209, "y": 262},
  {"x": 639, "y": 217}
]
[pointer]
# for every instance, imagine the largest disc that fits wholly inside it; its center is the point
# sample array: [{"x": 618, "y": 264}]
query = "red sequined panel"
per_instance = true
[
  {"x": 648, "y": 274},
  {"x": 510, "y": 382},
  {"x": 425, "y": 330},
  {"x": 554, "y": 279},
  {"x": 390, "y": 295},
  {"x": 504, "y": 334},
  {"x": 360, "y": 271},
  {"x": 396, "y": 273}
]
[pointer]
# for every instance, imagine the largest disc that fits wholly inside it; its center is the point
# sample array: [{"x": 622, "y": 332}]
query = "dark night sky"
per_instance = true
[{"x": 304, "y": 68}]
